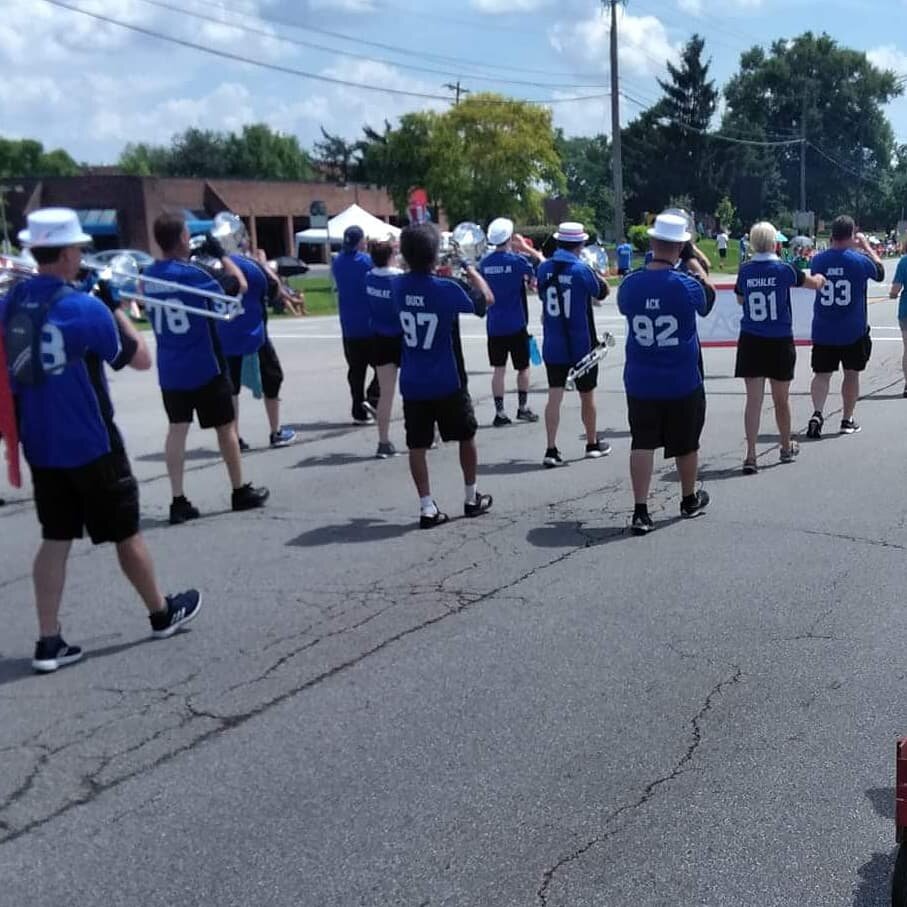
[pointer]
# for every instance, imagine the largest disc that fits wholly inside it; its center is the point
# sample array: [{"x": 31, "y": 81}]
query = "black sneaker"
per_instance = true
[
  {"x": 696, "y": 506},
  {"x": 181, "y": 511},
  {"x": 364, "y": 418},
  {"x": 371, "y": 407},
  {"x": 385, "y": 450},
  {"x": 243, "y": 446},
  {"x": 282, "y": 437},
  {"x": 598, "y": 449},
  {"x": 181, "y": 608},
  {"x": 430, "y": 520},
  {"x": 642, "y": 524},
  {"x": 849, "y": 427},
  {"x": 482, "y": 505},
  {"x": 248, "y": 497},
  {"x": 553, "y": 458},
  {"x": 905, "y": 392},
  {"x": 814, "y": 429},
  {"x": 501, "y": 419},
  {"x": 54, "y": 652},
  {"x": 526, "y": 415}
]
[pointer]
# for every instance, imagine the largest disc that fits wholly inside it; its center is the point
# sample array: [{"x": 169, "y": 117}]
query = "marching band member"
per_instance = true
[
  {"x": 506, "y": 273},
  {"x": 624, "y": 258},
  {"x": 349, "y": 268},
  {"x": 432, "y": 378},
  {"x": 192, "y": 371},
  {"x": 898, "y": 291},
  {"x": 247, "y": 334},
  {"x": 386, "y": 338},
  {"x": 662, "y": 372},
  {"x": 58, "y": 339},
  {"x": 567, "y": 287},
  {"x": 840, "y": 330},
  {"x": 766, "y": 348}
]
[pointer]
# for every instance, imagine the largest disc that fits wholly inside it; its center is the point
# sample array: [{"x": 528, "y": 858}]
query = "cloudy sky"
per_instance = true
[{"x": 90, "y": 87}]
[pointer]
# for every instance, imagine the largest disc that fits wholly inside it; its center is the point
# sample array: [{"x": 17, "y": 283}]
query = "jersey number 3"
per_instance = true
[{"x": 411, "y": 325}]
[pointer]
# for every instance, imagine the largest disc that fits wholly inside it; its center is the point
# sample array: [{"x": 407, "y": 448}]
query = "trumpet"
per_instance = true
[
  {"x": 123, "y": 276},
  {"x": 590, "y": 360}
]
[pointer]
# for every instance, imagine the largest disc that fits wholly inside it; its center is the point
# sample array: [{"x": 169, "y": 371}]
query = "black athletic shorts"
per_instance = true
[
  {"x": 853, "y": 358},
  {"x": 765, "y": 357},
  {"x": 454, "y": 416},
  {"x": 101, "y": 496},
  {"x": 674, "y": 425},
  {"x": 514, "y": 345},
  {"x": 722, "y": 254},
  {"x": 213, "y": 403},
  {"x": 269, "y": 366},
  {"x": 386, "y": 350},
  {"x": 557, "y": 377}
]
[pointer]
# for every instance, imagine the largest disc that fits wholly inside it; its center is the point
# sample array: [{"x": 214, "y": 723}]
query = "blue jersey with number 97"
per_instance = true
[
  {"x": 428, "y": 307},
  {"x": 840, "y": 315},
  {"x": 188, "y": 350},
  {"x": 660, "y": 306}
]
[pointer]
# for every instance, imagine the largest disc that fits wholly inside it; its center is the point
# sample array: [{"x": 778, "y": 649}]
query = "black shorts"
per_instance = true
[
  {"x": 674, "y": 425},
  {"x": 514, "y": 345},
  {"x": 269, "y": 367},
  {"x": 386, "y": 350},
  {"x": 722, "y": 254},
  {"x": 557, "y": 377},
  {"x": 213, "y": 402},
  {"x": 454, "y": 416},
  {"x": 853, "y": 358},
  {"x": 765, "y": 357},
  {"x": 101, "y": 496}
]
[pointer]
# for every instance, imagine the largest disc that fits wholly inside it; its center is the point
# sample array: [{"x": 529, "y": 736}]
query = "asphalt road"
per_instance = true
[{"x": 532, "y": 708}]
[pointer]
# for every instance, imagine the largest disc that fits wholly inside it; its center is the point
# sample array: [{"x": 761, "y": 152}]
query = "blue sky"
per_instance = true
[{"x": 91, "y": 87}]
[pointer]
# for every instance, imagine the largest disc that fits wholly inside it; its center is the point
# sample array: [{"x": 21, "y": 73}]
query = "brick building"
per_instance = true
[{"x": 118, "y": 211}]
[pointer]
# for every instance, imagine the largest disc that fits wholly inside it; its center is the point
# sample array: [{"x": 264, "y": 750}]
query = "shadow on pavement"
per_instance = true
[
  {"x": 570, "y": 534},
  {"x": 156, "y": 522},
  {"x": 874, "y": 887},
  {"x": 509, "y": 468},
  {"x": 333, "y": 459},
  {"x": 882, "y": 800},
  {"x": 362, "y": 529},
  {"x": 13, "y": 670},
  {"x": 197, "y": 453},
  {"x": 323, "y": 426}
]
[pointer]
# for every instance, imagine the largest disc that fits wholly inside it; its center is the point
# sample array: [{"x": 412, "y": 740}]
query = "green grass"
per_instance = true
[{"x": 319, "y": 300}]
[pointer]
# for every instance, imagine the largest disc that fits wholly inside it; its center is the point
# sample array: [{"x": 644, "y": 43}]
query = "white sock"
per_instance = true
[
  {"x": 470, "y": 494},
  {"x": 428, "y": 506}
]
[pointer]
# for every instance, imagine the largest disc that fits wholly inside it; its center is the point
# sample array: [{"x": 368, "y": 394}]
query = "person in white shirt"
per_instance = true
[{"x": 722, "y": 240}]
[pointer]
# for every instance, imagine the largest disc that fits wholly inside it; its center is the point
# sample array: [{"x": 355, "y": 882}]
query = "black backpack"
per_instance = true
[{"x": 23, "y": 325}]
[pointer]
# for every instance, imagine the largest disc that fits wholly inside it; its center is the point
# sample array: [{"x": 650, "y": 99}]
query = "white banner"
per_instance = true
[{"x": 722, "y": 326}]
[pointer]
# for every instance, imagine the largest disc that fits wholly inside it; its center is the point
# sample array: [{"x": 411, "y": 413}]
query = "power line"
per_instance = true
[
  {"x": 288, "y": 70},
  {"x": 161, "y": 4}
]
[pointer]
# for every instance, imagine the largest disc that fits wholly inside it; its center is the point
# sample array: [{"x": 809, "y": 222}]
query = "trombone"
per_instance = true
[{"x": 123, "y": 276}]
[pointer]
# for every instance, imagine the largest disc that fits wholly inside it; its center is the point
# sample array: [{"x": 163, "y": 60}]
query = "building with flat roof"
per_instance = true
[{"x": 118, "y": 211}]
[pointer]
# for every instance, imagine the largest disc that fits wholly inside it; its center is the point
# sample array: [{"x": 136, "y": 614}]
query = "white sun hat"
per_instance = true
[
  {"x": 670, "y": 228},
  {"x": 500, "y": 230},
  {"x": 571, "y": 232},
  {"x": 53, "y": 228}
]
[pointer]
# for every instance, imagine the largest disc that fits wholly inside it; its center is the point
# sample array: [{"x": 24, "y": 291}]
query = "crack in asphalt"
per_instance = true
[{"x": 648, "y": 791}]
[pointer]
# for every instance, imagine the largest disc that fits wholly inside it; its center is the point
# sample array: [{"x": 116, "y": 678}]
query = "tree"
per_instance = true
[
  {"x": 492, "y": 156},
  {"x": 408, "y": 157},
  {"x": 337, "y": 158},
  {"x": 586, "y": 163},
  {"x": 258, "y": 150},
  {"x": 26, "y": 157},
  {"x": 144, "y": 160},
  {"x": 811, "y": 84},
  {"x": 725, "y": 213}
]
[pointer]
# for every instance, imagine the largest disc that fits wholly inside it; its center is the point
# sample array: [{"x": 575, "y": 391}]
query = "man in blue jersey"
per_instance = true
[
  {"x": 58, "y": 340},
  {"x": 567, "y": 287},
  {"x": 662, "y": 372},
  {"x": 432, "y": 375},
  {"x": 191, "y": 368},
  {"x": 247, "y": 335},
  {"x": 624, "y": 258},
  {"x": 349, "y": 268},
  {"x": 841, "y": 320},
  {"x": 507, "y": 273}
]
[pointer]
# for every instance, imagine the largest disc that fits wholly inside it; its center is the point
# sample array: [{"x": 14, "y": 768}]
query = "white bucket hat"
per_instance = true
[
  {"x": 500, "y": 230},
  {"x": 53, "y": 228},
  {"x": 571, "y": 232},
  {"x": 670, "y": 228}
]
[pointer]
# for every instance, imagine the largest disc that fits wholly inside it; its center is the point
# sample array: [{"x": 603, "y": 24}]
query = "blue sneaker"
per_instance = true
[
  {"x": 283, "y": 437},
  {"x": 181, "y": 608}
]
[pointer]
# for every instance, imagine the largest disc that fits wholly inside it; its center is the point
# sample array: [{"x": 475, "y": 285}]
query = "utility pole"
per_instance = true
[
  {"x": 457, "y": 89},
  {"x": 616, "y": 159},
  {"x": 803, "y": 155}
]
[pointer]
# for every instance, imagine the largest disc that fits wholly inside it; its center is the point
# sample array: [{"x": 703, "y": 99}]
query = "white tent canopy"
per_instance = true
[{"x": 353, "y": 216}]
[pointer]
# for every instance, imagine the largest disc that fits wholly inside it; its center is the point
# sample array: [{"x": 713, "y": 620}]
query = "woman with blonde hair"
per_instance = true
[
  {"x": 766, "y": 348},
  {"x": 899, "y": 288}
]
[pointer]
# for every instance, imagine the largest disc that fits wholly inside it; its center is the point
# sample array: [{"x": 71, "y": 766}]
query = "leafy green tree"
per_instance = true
[
  {"x": 586, "y": 162},
  {"x": 259, "y": 150},
  {"x": 491, "y": 156},
  {"x": 141, "y": 159},
  {"x": 338, "y": 159},
  {"x": 725, "y": 213},
  {"x": 26, "y": 157}
]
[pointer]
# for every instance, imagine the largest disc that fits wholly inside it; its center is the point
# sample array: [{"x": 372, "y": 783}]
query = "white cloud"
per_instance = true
[
  {"x": 694, "y": 7},
  {"x": 349, "y": 6},
  {"x": 508, "y": 6},
  {"x": 888, "y": 57},
  {"x": 644, "y": 44}
]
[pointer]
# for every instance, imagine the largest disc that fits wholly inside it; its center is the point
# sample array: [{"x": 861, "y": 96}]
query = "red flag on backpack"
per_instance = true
[{"x": 8, "y": 429}]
